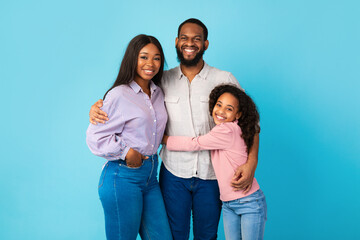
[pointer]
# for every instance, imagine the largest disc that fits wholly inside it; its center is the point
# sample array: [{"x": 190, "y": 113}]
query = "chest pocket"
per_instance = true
[
  {"x": 204, "y": 99},
  {"x": 205, "y": 104},
  {"x": 173, "y": 108},
  {"x": 207, "y": 121}
]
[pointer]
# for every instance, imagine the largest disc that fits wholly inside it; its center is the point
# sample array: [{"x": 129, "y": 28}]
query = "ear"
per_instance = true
[
  {"x": 176, "y": 41},
  {"x": 206, "y": 44},
  {"x": 238, "y": 115}
]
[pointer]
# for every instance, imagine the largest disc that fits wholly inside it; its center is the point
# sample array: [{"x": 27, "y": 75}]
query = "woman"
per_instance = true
[{"x": 128, "y": 188}]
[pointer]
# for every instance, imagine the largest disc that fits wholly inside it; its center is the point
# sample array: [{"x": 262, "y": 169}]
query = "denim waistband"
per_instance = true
[{"x": 150, "y": 157}]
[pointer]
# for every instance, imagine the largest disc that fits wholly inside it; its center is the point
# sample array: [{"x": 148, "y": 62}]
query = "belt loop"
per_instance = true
[{"x": 152, "y": 157}]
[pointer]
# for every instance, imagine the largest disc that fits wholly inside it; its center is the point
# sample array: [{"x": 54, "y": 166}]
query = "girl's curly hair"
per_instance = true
[{"x": 249, "y": 120}]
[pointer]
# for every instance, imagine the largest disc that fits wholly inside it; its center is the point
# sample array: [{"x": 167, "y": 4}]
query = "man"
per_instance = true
[{"x": 187, "y": 179}]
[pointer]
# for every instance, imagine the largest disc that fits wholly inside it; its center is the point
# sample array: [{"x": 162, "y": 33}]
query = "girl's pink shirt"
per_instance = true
[{"x": 228, "y": 151}]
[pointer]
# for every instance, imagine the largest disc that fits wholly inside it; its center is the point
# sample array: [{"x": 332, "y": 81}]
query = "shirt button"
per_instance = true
[
  {"x": 152, "y": 145},
  {"x": 155, "y": 120},
  {"x": 150, "y": 107},
  {"x": 154, "y": 134}
]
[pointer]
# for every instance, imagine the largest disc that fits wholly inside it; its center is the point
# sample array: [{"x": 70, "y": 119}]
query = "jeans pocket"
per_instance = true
[
  {"x": 253, "y": 201},
  {"x": 102, "y": 176},
  {"x": 123, "y": 163},
  {"x": 260, "y": 200}
]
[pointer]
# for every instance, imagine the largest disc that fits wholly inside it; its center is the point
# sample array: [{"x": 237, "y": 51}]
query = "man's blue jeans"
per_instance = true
[
  {"x": 244, "y": 218},
  {"x": 181, "y": 195},
  {"x": 132, "y": 201}
]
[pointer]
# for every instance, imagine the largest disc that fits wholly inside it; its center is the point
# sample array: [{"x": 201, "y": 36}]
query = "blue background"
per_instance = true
[{"x": 299, "y": 60}]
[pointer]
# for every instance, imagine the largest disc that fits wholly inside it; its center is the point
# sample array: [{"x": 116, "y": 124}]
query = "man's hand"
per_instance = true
[
  {"x": 96, "y": 114},
  {"x": 243, "y": 178},
  {"x": 134, "y": 158},
  {"x": 244, "y": 174}
]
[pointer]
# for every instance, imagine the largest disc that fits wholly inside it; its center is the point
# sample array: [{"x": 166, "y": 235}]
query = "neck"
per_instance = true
[
  {"x": 145, "y": 85},
  {"x": 191, "y": 71}
]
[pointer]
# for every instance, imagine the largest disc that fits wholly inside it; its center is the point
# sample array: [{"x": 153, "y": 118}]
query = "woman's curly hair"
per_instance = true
[{"x": 249, "y": 120}]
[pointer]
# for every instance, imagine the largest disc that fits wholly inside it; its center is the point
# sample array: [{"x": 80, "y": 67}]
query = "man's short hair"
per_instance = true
[{"x": 198, "y": 22}]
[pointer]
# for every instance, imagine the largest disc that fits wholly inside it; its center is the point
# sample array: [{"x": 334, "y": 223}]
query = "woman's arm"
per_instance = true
[{"x": 105, "y": 140}]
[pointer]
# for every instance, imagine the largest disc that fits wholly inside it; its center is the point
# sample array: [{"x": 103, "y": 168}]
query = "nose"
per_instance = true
[
  {"x": 150, "y": 62},
  {"x": 189, "y": 42}
]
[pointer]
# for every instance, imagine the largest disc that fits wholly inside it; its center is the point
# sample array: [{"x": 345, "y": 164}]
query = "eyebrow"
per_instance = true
[
  {"x": 227, "y": 105},
  {"x": 148, "y": 53},
  {"x": 185, "y": 35}
]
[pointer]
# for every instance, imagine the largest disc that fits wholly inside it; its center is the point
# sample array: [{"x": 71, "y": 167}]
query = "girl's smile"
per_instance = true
[{"x": 226, "y": 109}]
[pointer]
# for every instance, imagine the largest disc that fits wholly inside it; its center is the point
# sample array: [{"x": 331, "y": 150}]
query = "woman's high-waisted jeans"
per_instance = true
[
  {"x": 244, "y": 218},
  {"x": 132, "y": 201}
]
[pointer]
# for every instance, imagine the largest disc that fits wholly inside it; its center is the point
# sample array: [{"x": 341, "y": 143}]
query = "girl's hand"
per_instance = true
[
  {"x": 134, "y": 158},
  {"x": 96, "y": 114},
  {"x": 164, "y": 139}
]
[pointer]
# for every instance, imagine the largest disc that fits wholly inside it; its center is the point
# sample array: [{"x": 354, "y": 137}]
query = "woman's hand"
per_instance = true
[
  {"x": 134, "y": 158},
  {"x": 96, "y": 114},
  {"x": 164, "y": 139}
]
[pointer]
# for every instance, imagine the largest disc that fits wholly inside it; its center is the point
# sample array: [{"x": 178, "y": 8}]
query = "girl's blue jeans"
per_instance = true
[
  {"x": 132, "y": 201},
  {"x": 244, "y": 218}
]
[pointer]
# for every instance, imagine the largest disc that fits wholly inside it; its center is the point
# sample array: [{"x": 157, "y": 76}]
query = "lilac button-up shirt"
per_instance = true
[{"x": 135, "y": 121}]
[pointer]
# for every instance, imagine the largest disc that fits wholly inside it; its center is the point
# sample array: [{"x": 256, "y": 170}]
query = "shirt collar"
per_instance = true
[
  {"x": 203, "y": 73},
  {"x": 137, "y": 88}
]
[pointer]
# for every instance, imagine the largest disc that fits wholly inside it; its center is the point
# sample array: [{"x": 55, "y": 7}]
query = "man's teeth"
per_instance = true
[{"x": 189, "y": 50}]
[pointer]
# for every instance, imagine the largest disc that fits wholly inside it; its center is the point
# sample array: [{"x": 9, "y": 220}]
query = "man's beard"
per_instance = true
[{"x": 189, "y": 63}]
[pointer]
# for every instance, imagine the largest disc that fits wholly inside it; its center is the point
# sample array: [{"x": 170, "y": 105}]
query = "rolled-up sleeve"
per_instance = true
[{"x": 104, "y": 140}]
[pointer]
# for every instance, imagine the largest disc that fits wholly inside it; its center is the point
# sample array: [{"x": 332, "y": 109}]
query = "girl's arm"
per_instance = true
[{"x": 220, "y": 137}]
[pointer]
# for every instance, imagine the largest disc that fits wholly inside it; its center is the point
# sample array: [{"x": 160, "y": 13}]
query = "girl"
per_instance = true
[
  {"x": 128, "y": 188},
  {"x": 236, "y": 119}
]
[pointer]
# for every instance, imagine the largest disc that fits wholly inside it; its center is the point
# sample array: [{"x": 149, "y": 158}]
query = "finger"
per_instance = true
[
  {"x": 98, "y": 120},
  {"x": 95, "y": 117},
  {"x": 144, "y": 157},
  {"x": 95, "y": 110},
  {"x": 135, "y": 165},
  {"x": 237, "y": 189},
  {"x": 247, "y": 189},
  {"x": 100, "y": 116},
  {"x": 237, "y": 181},
  {"x": 99, "y": 103},
  {"x": 237, "y": 175},
  {"x": 97, "y": 107},
  {"x": 98, "y": 111},
  {"x": 93, "y": 122},
  {"x": 240, "y": 184},
  {"x": 101, "y": 112}
]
